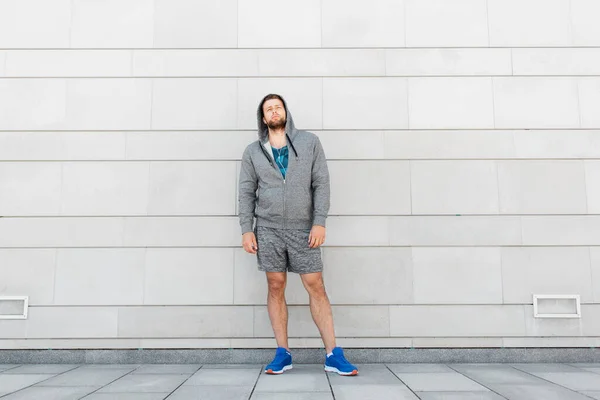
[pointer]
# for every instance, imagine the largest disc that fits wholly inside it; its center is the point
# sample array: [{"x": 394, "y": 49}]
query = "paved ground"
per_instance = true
[{"x": 304, "y": 382}]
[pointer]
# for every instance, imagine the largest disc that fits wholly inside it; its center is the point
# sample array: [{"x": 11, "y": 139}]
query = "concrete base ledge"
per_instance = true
[{"x": 301, "y": 356}]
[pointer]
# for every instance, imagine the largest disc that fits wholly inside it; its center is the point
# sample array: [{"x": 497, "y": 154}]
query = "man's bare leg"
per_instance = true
[
  {"x": 277, "y": 307},
  {"x": 320, "y": 308}
]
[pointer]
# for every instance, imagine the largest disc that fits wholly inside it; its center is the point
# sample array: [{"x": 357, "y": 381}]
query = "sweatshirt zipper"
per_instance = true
[{"x": 277, "y": 168}]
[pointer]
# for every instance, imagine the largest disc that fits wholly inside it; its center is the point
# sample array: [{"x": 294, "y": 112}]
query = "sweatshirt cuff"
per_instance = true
[
  {"x": 319, "y": 220},
  {"x": 247, "y": 227}
]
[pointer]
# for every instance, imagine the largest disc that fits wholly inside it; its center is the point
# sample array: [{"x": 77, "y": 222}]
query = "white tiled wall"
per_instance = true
[
  {"x": 439, "y": 23},
  {"x": 463, "y": 141},
  {"x": 112, "y": 23},
  {"x": 356, "y": 23}
]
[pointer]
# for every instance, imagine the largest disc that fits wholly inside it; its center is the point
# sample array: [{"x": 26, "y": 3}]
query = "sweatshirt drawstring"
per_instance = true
[{"x": 292, "y": 145}]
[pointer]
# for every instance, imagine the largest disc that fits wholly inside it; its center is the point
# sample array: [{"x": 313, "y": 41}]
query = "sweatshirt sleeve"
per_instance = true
[
  {"x": 320, "y": 185},
  {"x": 248, "y": 184}
]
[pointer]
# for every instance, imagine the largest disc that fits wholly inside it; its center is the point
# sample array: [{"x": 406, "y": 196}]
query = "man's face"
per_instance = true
[{"x": 274, "y": 114}]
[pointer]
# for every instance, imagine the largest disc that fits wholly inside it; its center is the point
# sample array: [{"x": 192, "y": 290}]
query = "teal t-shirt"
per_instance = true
[{"x": 281, "y": 158}]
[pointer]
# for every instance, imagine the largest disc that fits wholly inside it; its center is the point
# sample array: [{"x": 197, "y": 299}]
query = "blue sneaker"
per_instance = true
[
  {"x": 338, "y": 363},
  {"x": 281, "y": 363}
]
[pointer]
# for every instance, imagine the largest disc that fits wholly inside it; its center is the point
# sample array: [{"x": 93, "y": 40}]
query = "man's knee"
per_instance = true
[
  {"x": 314, "y": 285},
  {"x": 276, "y": 283}
]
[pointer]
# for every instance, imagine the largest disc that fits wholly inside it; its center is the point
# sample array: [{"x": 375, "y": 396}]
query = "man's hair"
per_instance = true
[{"x": 270, "y": 97}]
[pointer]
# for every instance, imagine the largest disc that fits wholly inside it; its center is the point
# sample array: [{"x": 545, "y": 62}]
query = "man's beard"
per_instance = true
[{"x": 277, "y": 124}]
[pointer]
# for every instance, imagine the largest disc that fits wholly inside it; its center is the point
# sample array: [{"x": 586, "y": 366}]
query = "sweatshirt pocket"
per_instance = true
[
  {"x": 269, "y": 203},
  {"x": 300, "y": 204}
]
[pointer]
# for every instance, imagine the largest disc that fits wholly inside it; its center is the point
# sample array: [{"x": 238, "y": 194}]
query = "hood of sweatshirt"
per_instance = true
[{"x": 263, "y": 129}]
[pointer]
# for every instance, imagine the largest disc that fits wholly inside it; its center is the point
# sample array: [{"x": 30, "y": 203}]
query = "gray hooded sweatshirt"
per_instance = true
[{"x": 298, "y": 202}]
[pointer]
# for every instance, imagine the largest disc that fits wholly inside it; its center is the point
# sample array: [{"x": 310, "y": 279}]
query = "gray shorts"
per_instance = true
[{"x": 281, "y": 250}]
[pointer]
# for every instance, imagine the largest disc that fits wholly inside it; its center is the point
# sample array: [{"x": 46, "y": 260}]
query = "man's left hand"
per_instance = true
[{"x": 317, "y": 236}]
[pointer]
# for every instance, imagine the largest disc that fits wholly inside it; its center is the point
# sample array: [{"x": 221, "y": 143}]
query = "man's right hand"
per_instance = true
[{"x": 249, "y": 242}]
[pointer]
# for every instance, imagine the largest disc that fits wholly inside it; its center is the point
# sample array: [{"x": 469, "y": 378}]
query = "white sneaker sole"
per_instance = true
[
  {"x": 271, "y": 372},
  {"x": 334, "y": 369}
]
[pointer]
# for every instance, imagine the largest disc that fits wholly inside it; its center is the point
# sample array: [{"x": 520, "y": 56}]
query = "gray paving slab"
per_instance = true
[
  {"x": 292, "y": 396},
  {"x": 145, "y": 383},
  {"x": 477, "y": 365},
  {"x": 167, "y": 369},
  {"x": 401, "y": 368},
  {"x": 212, "y": 393},
  {"x": 234, "y": 366},
  {"x": 303, "y": 378},
  {"x": 236, "y": 381},
  {"x": 229, "y": 376},
  {"x": 440, "y": 382},
  {"x": 5, "y": 367},
  {"x": 50, "y": 393},
  {"x": 130, "y": 367},
  {"x": 373, "y": 392},
  {"x": 42, "y": 369},
  {"x": 498, "y": 374},
  {"x": 573, "y": 380},
  {"x": 86, "y": 377},
  {"x": 536, "y": 391},
  {"x": 585, "y": 365},
  {"x": 532, "y": 368},
  {"x": 459, "y": 396},
  {"x": 594, "y": 370},
  {"x": 11, "y": 383},
  {"x": 127, "y": 396},
  {"x": 369, "y": 374}
]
